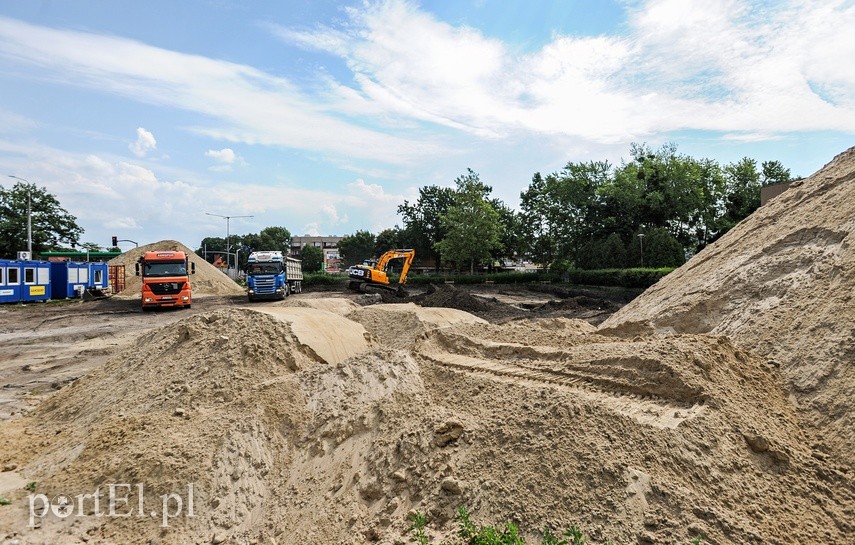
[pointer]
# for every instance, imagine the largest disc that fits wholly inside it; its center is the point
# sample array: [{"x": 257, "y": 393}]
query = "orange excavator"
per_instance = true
[{"x": 375, "y": 275}]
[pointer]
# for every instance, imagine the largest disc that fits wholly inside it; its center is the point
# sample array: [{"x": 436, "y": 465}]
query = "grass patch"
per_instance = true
[{"x": 470, "y": 533}]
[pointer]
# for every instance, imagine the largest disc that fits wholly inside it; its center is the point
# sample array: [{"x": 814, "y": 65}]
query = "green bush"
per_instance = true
[
  {"x": 625, "y": 278},
  {"x": 323, "y": 279},
  {"x": 498, "y": 278}
]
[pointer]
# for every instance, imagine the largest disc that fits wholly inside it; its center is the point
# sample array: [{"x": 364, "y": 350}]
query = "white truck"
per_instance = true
[{"x": 270, "y": 275}]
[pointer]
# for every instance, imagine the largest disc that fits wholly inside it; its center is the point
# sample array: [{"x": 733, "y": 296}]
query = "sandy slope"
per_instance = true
[{"x": 780, "y": 284}]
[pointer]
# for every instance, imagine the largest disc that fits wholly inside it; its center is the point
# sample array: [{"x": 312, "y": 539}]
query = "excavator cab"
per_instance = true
[{"x": 366, "y": 276}]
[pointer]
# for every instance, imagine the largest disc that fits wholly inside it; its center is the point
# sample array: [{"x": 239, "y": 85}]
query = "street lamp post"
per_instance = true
[
  {"x": 641, "y": 245},
  {"x": 29, "y": 216},
  {"x": 228, "y": 235}
]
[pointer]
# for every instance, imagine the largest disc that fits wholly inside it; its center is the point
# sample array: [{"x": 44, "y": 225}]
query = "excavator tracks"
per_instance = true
[{"x": 643, "y": 388}]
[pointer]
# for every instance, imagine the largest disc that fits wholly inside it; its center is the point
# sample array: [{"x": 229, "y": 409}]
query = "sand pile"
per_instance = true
[
  {"x": 647, "y": 440},
  {"x": 208, "y": 280},
  {"x": 398, "y": 325},
  {"x": 780, "y": 284}
]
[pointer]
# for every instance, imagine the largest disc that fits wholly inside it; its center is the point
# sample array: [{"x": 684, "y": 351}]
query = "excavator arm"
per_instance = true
[
  {"x": 406, "y": 255},
  {"x": 408, "y": 260}
]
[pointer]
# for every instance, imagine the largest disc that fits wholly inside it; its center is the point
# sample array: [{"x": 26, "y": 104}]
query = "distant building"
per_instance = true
[
  {"x": 769, "y": 192},
  {"x": 329, "y": 245}
]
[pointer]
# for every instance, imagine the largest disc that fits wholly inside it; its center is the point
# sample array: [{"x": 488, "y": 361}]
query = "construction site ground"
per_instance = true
[{"x": 44, "y": 346}]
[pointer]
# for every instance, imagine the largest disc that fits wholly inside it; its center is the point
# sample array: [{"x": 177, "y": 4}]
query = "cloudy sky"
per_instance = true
[{"x": 322, "y": 116}]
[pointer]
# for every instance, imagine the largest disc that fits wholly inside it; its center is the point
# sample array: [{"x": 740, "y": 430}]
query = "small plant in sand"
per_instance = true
[{"x": 417, "y": 528}]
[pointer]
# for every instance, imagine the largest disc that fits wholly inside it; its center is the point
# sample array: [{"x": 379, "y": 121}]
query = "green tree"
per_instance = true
[
  {"x": 91, "y": 247},
  {"x": 774, "y": 173},
  {"x": 681, "y": 194},
  {"x": 660, "y": 249},
  {"x": 356, "y": 248},
  {"x": 471, "y": 224},
  {"x": 389, "y": 239},
  {"x": 512, "y": 240},
  {"x": 214, "y": 246},
  {"x": 560, "y": 212},
  {"x": 52, "y": 226},
  {"x": 422, "y": 225},
  {"x": 272, "y": 238},
  {"x": 313, "y": 258},
  {"x": 743, "y": 192}
]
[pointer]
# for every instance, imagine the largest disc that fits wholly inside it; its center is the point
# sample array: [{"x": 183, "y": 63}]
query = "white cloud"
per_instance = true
[
  {"x": 312, "y": 229},
  {"x": 12, "y": 123},
  {"x": 107, "y": 193},
  {"x": 145, "y": 143},
  {"x": 250, "y": 105},
  {"x": 225, "y": 155},
  {"x": 225, "y": 158},
  {"x": 333, "y": 216},
  {"x": 371, "y": 191},
  {"x": 723, "y": 65}
]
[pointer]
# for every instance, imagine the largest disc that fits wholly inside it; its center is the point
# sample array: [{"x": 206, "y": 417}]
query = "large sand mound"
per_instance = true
[
  {"x": 208, "y": 280},
  {"x": 780, "y": 284},
  {"x": 652, "y": 440}
]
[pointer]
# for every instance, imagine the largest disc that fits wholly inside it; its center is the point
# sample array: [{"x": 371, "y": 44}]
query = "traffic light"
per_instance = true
[{"x": 115, "y": 241}]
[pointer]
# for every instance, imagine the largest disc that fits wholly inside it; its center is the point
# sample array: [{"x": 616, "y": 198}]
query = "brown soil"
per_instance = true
[{"x": 325, "y": 419}]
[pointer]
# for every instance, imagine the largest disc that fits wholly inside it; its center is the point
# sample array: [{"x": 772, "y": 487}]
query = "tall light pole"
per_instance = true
[
  {"x": 641, "y": 244},
  {"x": 29, "y": 216},
  {"x": 228, "y": 234}
]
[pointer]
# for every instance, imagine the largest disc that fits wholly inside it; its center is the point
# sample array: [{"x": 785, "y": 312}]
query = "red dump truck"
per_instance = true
[{"x": 165, "y": 282}]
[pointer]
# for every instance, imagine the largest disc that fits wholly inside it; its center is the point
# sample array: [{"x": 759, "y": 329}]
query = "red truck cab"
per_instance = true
[{"x": 165, "y": 280}]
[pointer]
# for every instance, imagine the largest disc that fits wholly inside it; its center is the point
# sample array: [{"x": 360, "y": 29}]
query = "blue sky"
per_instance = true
[{"x": 323, "y": 116}]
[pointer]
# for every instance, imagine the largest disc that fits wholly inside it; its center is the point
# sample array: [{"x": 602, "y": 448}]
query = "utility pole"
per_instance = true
[
  {"x": 641, "y": 244},
  {"x": 228, "y": 235},
  {"x": 29, "y": 215}
]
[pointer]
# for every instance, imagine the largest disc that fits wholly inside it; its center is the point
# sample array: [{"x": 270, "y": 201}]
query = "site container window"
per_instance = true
[
  {"x": 12, "y": 277},
  {"x": 72, "y": 275},
  {"x": 29, "y": 275},
  {"x": 2, "y": 276},
  {"x": 43, "y": 274},
  {"x": 83, "y": 276},
  {"x": 99, "y": 277}
]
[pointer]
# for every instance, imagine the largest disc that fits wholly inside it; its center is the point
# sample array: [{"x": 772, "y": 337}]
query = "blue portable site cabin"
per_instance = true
[
  {"x": 10, "y": 281},
  {"x": 69, "y": 279},
  {"x": 98, "y": 275},
  {"x": 22, "y": 281}
]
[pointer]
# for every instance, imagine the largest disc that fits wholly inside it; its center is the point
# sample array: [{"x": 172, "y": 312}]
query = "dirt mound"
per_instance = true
[
  {"x": 780, "y": 284},
  {"x": 656, "y": 439},
  {"x": 208, "y": 280},
  {"x": 447, "y": 296},
  {"x": 583, "y": 307},
  {"x": 398, "y": 325}
]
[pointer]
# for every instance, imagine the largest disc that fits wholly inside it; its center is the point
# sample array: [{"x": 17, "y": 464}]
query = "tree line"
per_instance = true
[{"x": 653, "y": 210}]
